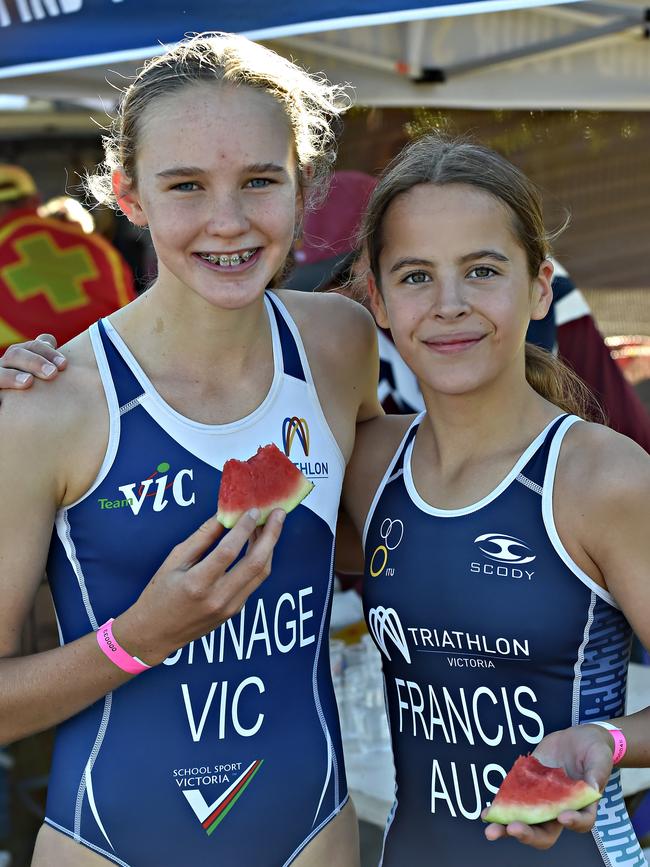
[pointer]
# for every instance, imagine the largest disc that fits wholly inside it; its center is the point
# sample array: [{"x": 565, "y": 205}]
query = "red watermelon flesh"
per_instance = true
[
  {"x": 533, "y": 793},
  {"x": 266, "y": 481}
]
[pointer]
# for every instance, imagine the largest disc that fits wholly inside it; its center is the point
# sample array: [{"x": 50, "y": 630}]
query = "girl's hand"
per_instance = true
[
  {"x": 192, "y": 594},
  {"x": 585, "y": 752},
  {"x": 22, "y": 362}
]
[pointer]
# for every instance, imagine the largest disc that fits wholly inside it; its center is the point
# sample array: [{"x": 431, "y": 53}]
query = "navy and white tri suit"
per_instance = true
[
  {"x": 491, "y": 637},
  {"x": 229, "y": 753}
]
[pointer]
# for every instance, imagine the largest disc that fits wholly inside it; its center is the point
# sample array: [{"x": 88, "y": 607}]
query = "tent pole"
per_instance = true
[{"x": 537, "y": 49}]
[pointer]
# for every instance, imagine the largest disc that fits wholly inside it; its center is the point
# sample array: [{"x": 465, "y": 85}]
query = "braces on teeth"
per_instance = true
[{"x": 229, "y": 261}]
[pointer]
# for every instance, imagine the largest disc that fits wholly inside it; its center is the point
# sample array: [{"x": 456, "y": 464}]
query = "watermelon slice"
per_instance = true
[
  {"x": 533, "y": 793},
  {"x": 266, "y": 481}
]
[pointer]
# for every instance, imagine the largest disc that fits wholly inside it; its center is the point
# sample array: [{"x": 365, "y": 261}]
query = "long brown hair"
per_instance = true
[{"x": 440, "y": 160}]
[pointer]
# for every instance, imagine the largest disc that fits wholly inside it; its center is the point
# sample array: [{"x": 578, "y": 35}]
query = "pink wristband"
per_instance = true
[
  {"x": 117, "y": 655},
  {"x": 620, "y": 744}
]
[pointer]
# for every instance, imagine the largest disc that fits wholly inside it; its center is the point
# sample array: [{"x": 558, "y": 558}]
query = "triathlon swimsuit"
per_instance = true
[
  {"x": 229, "y": 753},
  {"x": 491, "y": 637}
]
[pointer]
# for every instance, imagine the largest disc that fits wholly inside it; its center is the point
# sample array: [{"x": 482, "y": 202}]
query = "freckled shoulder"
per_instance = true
[
  {"x": 62, "y": 424},
  {"x": 331, "y": 321}
]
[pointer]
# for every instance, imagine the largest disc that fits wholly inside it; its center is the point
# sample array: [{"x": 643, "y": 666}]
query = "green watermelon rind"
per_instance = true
[
  {"x": 505, "y": 813},
  {"x": 229, "y": 519}
]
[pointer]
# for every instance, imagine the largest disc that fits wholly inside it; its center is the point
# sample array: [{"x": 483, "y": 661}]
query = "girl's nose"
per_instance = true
[
  {"x": 227, "y": 216},
  {"x": 449, "y": 299}
]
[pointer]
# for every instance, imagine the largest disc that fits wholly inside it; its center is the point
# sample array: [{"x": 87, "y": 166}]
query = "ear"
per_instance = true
[
  {"x": 377, "y": 305},
  {"x": 542, "y": 292},
  {"x": 127, "y": 198}
]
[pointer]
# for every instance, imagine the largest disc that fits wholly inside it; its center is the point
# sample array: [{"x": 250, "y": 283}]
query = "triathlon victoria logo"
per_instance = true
[
  {"x": 385, "y": 624},
  {"x": 507, "y": 553},
  {"x": 392, "y": 533},
  {"x": 295, "y": 442},
  {"x": 236, "y": 780},
  {"x": 161, "y": 486}
]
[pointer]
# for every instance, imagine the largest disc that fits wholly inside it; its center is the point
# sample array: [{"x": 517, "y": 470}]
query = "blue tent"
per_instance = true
[
  {"x": 50, "y": 35},
  {"x": 531, "y": 53}
]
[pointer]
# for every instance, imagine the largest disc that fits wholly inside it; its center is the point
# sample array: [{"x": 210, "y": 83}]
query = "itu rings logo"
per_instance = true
[
  {"x": 293, "y": 427},
  {"x": 499, "y": 547},
  {"x": 392, "y": 532}
]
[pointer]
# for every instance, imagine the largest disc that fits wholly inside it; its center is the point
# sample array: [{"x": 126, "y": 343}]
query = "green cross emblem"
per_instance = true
[{"x": 45, "y": 268}]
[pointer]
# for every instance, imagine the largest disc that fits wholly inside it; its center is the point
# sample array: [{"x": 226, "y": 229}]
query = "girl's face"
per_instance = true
[
  {"x": 217, "y": 187},
  {"x": 456, "y": 292}
]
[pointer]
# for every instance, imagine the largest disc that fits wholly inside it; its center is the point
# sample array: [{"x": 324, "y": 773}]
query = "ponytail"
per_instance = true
[{"x": 557, "y": 383}]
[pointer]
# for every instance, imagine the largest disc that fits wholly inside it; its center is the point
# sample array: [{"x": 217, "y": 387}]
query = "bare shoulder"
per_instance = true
[
  {"x": 604, "y": 468},
  {"x": 323, "y": 315},
  {"x": 50, "y": 427},
  {"x": 376, "y": 444},
  {"x": 58, "y": 401}
]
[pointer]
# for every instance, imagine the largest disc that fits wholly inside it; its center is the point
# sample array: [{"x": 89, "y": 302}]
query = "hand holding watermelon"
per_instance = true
[
  {"x": 557, "y": 787},
  {"x": 204, "y": 581}
]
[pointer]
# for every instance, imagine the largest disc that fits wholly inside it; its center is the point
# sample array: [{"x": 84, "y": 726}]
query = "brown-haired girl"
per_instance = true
[
  {"x": 505, "y": 539},
  {"x": 221, "y": 744}
]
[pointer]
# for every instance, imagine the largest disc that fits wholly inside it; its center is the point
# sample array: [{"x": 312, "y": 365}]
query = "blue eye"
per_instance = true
[
  {"x": 186, "y": 187},
  {"x": 416, "y": 277},
  {"x": 259, "y": 183},
  {"x": 482, "y": 272}
]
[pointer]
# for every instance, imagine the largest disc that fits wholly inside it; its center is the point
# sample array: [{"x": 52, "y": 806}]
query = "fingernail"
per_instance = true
[
  {"x": 22, "y": 378},
  {"x": 48, "y": 369},
  {"x": 59, "y": 360},
  {"x": 254, "y": 514},
  {"x": 282, "y": 516}
]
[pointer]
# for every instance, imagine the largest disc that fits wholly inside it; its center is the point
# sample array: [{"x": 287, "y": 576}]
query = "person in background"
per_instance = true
[
  {"x": 68, "y": 210},
  {"x": 570, "y": 330},
  {"x": 54, "y": 276}
]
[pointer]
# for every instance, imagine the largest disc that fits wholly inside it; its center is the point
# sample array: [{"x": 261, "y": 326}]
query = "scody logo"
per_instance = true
[
  {"x": 296, "y": 429},
  {"x": 212, "y": 815},
  {"x": 156, "y": 486},
  {"x": 507, "y": 551},
  {"x": 384, "y": 623}
]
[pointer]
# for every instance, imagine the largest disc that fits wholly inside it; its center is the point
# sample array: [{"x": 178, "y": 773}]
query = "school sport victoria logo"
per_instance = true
[
  {"x": 159, "y": 488},
  {"x": 212, "y": 815},
  {"x": 295, "y": 441},
  {"x": 385, "y": 624}
]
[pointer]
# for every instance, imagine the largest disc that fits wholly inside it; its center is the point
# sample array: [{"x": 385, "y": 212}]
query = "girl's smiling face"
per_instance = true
[
  {"x": 456, "y": 291},
  {"x": 217, "y": 186}
]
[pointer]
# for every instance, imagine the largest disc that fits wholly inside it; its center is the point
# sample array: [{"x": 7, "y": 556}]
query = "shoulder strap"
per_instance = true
[
  {"x": 291, "y": 356},
  {"x": 535, "y": 470},
  {"x": 127, "y": 386}
]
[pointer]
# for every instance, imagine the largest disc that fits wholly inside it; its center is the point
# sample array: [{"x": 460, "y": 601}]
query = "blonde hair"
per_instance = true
[
  {"x": 310, "y": 102},
  {"x": 440, "y": 160}
]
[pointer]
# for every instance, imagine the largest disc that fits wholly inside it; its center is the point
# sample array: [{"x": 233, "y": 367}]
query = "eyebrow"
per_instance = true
[
  {"x": 409, "y": 262},
  {"x": 193, "y": 171}
]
